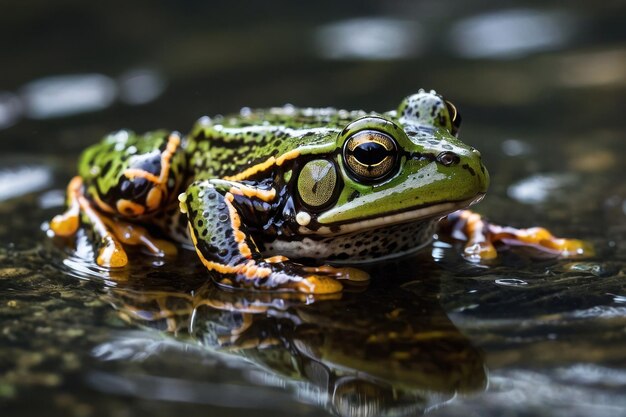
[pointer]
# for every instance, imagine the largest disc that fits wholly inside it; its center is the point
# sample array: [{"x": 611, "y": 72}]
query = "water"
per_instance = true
[{"x": 541, "y": 91}]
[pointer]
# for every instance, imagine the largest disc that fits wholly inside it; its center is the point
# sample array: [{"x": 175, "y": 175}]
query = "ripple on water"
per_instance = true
[
  {"x": 511, "y": 282},
  {"x": 79, "y": 261}
]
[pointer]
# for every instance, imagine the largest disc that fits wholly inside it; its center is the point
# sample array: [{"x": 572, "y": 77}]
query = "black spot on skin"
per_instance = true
[
  {"x": 354, "y": 195},
  {"x": 106, "y": 168},
  {"x": 470, "y": 169},
  {"x": 140, "y": 187},
  {"x": 125, "y": 186},
  {"x": 148, "y": 162}
]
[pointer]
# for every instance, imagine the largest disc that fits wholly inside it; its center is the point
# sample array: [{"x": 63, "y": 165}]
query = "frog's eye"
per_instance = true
[
  {"x": 317, "y": 182},
  {"x": 455, "y": 118},
  {"x": 370, "y": 155}
]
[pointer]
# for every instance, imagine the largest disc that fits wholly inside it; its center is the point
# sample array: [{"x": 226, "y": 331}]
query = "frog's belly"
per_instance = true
[{"x": 384, "y": 243}]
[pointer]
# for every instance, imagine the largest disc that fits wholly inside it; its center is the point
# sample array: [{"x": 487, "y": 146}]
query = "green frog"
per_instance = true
[{"x": 254, "y": 191}]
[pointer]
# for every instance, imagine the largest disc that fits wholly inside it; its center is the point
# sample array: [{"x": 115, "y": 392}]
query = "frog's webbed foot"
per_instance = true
[
  {"x": 110, "y": 232},
  {"x": 224, "y": 244},
  {"x": 482, "y": 237}
]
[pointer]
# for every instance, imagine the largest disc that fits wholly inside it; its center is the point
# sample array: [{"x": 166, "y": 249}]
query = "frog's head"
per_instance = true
[{"x": 403, "y": 166}]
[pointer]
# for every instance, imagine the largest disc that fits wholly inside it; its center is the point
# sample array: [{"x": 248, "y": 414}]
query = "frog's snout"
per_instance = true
[
  {"x": 476, "y": 175},
  {"x": 477, "y": 169}
]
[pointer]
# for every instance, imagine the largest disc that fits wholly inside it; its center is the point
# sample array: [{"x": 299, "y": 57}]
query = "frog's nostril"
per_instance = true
[{"x": 448, "y": 158}]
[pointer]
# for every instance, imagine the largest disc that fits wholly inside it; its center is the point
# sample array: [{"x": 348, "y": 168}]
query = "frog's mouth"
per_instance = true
[{"x": 406, "y": 216}]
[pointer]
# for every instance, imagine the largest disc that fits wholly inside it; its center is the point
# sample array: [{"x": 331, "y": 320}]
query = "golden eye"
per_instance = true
[
  {"x": 455, "y": 118},
  {"x": 370, "y": 155},
  {"x": 317, "y": 182}
]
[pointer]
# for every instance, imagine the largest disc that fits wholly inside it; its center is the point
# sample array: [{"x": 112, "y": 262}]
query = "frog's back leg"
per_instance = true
[
  {"x": 217, "y": 223},
  {"x": 124, "y": 177},
  {"x": 481, "y": 238}
]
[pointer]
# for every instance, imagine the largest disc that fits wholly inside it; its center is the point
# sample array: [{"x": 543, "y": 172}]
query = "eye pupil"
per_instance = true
[{"x": 370, "y": 153}]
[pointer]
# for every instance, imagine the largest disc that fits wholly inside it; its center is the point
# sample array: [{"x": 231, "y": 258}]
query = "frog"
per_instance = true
[{"x": 291, "y": 199}]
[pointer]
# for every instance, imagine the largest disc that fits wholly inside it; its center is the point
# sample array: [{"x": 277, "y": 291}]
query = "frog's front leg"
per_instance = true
[
  {"x": 224, "y": 244},
  {"x": 481, "y": 237},
  {"x": 122, "y": 179}
]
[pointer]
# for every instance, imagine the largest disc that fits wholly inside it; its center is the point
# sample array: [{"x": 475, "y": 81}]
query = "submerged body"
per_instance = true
[{"x": 254, "y": 190}]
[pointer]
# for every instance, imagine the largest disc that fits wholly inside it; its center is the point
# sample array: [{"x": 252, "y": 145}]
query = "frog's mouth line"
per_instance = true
[{"x": 420, "y": 213}]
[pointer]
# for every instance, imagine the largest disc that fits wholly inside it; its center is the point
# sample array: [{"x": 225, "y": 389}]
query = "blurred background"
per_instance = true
[{"x": 541, "y": 86}]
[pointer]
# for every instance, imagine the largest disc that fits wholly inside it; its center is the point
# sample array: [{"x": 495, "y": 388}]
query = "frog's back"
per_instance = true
[{"x": 226, "y": 145}]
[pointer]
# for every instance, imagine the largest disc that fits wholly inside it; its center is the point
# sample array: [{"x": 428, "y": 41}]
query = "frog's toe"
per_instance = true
[
  {"x": 566, "y": 248},
  {"x": 574, "y": 248},
  {"x": 65, "y": 224},
  {"x": 111, "y": 254},
  {"x": 280, "y": 277},
  {"x": 317, "y": 284},
  {"x": 349, "y": 274},
  {"x": 543, "y": 240},
  {"x": 133, "y": 234}
]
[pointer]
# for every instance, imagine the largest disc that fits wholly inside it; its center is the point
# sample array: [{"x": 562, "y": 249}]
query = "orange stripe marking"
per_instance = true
[
  {"x": 235, "y": 221},
  {"x": 101, "y": 204},
  {"x": 129, "y": 208},
  {"x": 271, "y": 161},
  {"x": 173, "y": 142},
  {"x": 250, "y": 269},
  {"x": 265, "y": 195}
]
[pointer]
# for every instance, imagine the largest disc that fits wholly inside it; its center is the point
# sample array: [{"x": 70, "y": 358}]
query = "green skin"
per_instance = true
[{"x": 301, "y": 155}]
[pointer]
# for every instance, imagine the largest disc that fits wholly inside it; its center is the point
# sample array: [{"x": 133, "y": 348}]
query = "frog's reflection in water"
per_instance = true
[{"x": 387, "y": 350}]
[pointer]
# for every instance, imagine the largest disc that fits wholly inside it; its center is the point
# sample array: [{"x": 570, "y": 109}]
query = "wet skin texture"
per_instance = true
[{"x": 252, "y": 191}]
